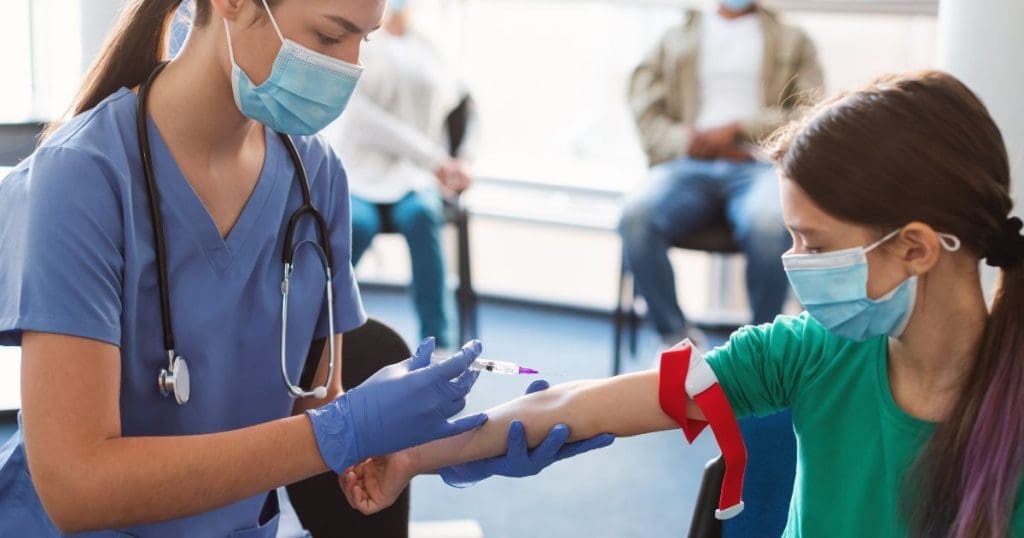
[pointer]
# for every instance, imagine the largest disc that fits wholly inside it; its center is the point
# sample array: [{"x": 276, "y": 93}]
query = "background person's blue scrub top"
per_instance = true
[{"x": 77, "y": 258}]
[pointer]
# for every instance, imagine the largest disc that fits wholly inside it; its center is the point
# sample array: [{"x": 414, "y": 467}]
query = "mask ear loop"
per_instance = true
[
  {"x": 231, "y": 49},
  {"x": 274, "y": 22},
  {"x": 950, "y": 242},
  {"x": 227, "y": 30},
  {"x": 888, "y": 236}
]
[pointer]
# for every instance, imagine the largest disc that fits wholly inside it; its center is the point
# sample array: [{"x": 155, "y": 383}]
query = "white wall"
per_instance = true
[{"x": 981, "y": 43}]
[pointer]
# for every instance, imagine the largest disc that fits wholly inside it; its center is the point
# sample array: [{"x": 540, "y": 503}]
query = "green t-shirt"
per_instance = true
[{"x": 854, "y": 443}]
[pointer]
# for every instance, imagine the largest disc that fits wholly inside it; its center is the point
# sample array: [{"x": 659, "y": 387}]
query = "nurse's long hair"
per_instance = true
[
  {"x": 135, "y": 46},
  {"x": 922, "y": 147}
]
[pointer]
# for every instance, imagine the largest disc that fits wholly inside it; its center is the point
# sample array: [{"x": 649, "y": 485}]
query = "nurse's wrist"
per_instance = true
[{"x": 335, "y": 433}]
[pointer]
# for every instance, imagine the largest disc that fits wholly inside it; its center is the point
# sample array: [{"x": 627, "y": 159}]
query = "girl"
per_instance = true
[{"x": 906, "y": 390}]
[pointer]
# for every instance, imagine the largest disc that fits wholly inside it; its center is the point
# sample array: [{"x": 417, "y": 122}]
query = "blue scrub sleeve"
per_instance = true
[
  {"x": 63, "y": 241},
  {"x": 348, "y": 304}
]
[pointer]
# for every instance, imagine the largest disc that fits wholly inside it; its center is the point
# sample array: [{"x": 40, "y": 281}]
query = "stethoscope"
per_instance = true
[{"x": 175, "y": 378}]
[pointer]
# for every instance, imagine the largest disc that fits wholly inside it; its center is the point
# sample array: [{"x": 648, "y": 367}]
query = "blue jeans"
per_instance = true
[
  {"x": 680, "y": 198},
  {"x": 418, "y": 217}
]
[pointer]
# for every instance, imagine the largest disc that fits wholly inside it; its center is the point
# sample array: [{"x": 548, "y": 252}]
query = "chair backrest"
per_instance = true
[
  {"x": 318, "y": 501},
  {"x": 704, "y": 524},
  {"x": 715, "y": 236},
  {"x": 767, "y": 486},
  {"x": 368, "y": 349},
  {"x": 457, "y": 124}
]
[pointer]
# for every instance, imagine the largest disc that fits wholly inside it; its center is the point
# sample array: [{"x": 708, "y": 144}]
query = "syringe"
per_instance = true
[
  {"x": 496, "y": 367},
  {"x": 501, "y": 367}
]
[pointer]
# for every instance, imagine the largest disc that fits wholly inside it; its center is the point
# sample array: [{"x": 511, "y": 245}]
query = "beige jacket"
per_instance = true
[{"x": 664, "y": 96}]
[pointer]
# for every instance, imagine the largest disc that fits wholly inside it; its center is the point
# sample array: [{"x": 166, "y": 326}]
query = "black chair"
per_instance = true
[
  {"x": 319, "y": 501},
  {"x": 715, "y": 238},
  {"x": 455, "y": 214},
  {"x": 704, "y": 524},
  {"x": 18, "y": 140}
]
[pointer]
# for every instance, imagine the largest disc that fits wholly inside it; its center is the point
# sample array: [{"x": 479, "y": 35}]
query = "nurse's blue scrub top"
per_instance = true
[{"x": 78, "y": 259}]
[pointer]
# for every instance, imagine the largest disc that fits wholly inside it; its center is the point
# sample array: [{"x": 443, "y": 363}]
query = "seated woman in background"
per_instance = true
[
  {"x": 392, "y": 141},
  {"x": 906, "y": 390}
]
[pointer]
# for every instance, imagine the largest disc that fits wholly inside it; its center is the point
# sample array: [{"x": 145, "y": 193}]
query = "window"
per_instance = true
[
  {"x": 45, "y": 59},
  {"x": 16, "y": 91},
  {"x": 550, "y": 76}
]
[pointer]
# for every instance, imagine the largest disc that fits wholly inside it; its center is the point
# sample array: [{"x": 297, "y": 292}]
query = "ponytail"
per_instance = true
[
  {"x": 134, "y": 48},
  {"x": 972, "y": 468}
]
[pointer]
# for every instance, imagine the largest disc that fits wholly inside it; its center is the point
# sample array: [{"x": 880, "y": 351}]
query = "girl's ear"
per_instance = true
[{"x": 918, "y": 247}]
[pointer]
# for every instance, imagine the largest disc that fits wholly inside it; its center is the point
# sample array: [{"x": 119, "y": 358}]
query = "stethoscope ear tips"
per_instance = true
[
  {"x": 320, "y": 393},
  {"x": 176, "y": 381}
]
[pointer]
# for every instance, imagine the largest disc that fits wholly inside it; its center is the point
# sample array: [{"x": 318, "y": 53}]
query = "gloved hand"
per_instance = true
[
  {"x": 402, "y": 405},
  {"x": 518, "y": 460}
]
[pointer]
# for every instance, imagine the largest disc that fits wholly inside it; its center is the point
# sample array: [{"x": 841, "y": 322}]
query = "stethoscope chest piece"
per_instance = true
[{"x": 175, "y": 381}]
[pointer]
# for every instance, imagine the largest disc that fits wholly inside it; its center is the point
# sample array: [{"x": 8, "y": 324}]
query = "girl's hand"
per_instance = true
[{"x": 376, "y": 483}]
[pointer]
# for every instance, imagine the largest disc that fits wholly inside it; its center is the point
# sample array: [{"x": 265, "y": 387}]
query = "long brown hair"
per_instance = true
[
  {"x": 135, "y": 46},
  {"x": 922, "y": 147}
]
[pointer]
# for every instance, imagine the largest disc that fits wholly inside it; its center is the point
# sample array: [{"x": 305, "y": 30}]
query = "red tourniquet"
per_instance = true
[{"x": 685, "y": 375}]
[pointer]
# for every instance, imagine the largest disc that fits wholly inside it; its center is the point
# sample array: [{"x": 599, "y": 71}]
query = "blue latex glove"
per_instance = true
[
  {"x": 402, "y": 405},
  {"x": 518, "y": 460}
]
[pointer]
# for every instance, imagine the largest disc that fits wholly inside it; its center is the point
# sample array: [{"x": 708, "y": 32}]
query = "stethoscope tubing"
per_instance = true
[{"x": 168, "y": 378}]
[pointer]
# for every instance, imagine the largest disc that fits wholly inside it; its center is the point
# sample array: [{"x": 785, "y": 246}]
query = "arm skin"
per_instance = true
[
  {"x": 624, "y": 406},
  {"x": 89, "y": 477},
  {"x": 334, "y": 388}
]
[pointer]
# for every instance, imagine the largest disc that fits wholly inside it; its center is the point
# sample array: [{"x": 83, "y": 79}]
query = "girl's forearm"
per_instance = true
[{"x": 624, "y": 405}]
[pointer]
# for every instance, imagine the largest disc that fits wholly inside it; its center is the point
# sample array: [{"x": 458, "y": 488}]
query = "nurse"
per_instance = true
[{"x": 143, "y": 252}]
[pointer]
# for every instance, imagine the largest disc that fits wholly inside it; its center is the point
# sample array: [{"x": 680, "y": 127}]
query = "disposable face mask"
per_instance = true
[
  {"x": 737, "y": 5},
  {"x": 305, "y": 92},
  {"x": 833, "y": 287}
]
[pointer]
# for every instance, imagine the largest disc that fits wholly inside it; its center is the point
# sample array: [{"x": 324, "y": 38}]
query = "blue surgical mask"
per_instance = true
[
  {"x": 737, "y": 5},
  {"x": 833, "y": 288},
  {"x": 305, "y": 92},
  {"x": 397, "y": 5}
]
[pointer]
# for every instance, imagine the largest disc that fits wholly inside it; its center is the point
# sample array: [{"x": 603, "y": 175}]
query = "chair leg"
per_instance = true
[
  {"x": 465, "y": 297},
  {"x": 619, "y": 322},
  {"x": 634, "y": 322}
]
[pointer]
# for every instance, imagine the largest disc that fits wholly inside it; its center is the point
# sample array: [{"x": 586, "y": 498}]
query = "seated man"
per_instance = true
[{"x": 724, "y": 79}]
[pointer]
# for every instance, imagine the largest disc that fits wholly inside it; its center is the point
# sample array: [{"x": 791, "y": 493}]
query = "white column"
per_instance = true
[{"x": 981, "y": 42}]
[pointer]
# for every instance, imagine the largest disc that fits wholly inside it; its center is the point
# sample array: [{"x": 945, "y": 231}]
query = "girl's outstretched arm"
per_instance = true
[{"x": 624, "y": 406}]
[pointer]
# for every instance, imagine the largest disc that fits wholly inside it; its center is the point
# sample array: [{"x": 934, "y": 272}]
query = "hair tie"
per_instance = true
[{"x": 1007, "y": 247}]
